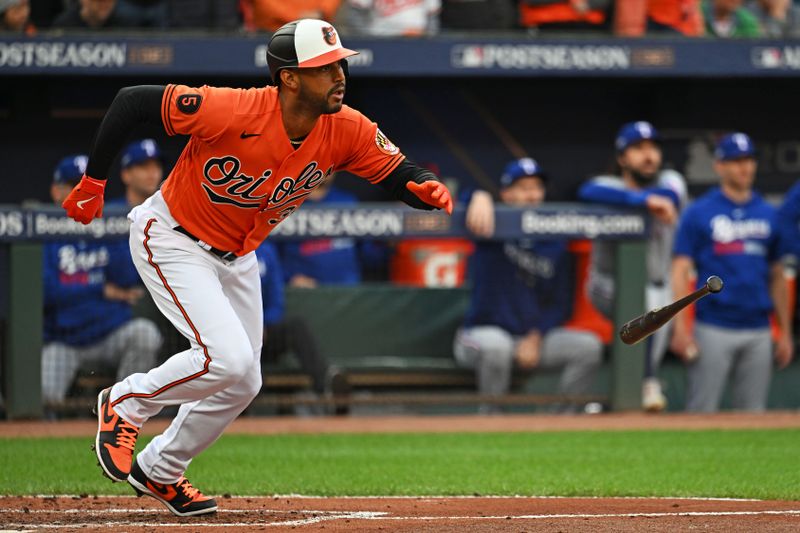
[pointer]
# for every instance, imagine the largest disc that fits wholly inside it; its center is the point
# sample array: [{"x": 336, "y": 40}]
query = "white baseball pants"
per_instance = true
[{"x": 217, "y": 306}]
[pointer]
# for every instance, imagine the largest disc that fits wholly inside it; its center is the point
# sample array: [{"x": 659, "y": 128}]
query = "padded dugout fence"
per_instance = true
[{"x": 367, "y": 325}]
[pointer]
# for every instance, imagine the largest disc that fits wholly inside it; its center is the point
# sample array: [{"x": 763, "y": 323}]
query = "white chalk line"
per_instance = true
[
  {"x": 419, "y": 497},
  {"x": 354, "y": 515},
  {"x": 382, "y": 516},
  {"x": 117, "y": 510}
]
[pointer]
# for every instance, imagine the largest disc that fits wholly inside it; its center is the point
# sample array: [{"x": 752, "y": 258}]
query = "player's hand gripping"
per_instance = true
[
  {"x": 85, "y": 202},
  {"x": 432, "y": 193}
]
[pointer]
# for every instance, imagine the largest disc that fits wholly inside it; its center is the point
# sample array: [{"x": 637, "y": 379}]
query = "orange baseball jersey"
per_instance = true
[{"x": 239, "y": 175}]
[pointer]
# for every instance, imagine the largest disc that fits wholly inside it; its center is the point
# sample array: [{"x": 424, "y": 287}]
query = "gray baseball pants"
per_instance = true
[
  {"x": 743, "y": 354},
  {"x": 131, "y": 348},
  {"x": 490, "y": 351}
]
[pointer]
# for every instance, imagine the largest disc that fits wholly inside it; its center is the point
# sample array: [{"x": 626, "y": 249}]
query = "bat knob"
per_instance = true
[{"x": 714, "y": 284}]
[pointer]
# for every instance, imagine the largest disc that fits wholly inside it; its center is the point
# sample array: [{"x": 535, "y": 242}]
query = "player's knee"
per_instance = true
[
  {"x": 498, "y": 358},
  {"x": 234, "y": 361},
  {"x": 253, "y": 384},
  {"x": 589, "y": 349}
]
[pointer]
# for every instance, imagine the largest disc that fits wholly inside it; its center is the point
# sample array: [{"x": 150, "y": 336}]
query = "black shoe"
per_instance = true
[{"x": 180, "y": 497}]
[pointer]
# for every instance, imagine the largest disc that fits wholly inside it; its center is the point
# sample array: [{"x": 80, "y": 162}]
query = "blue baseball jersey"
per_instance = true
[
  {"x": 737, "y": 242},
  {"x": 789, "y": 222},
  {"x": 76, "y": 312},
  {"x": 520, "y": 286},
  {"x": 272, "y": 291},
  {"x": 329, "y": 261},
  {"x": 130, "y": 268}
]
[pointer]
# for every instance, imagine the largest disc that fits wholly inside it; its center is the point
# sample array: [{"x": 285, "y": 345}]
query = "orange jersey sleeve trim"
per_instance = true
[{"x": 165, "y": 117}]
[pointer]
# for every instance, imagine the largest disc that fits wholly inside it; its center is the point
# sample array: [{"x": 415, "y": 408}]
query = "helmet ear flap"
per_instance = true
[{"x": 281, "y": 52}]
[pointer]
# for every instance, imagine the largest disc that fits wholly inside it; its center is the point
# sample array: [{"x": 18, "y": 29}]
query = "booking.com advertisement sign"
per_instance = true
[{"x": 555, "y": 221}]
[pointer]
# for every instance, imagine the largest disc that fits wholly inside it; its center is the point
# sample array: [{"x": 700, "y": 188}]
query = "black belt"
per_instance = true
[{"x": 222, "y": 254}]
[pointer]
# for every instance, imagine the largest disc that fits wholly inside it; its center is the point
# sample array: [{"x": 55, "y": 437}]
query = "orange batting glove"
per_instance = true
[
  {"x": 85, "y": 202},
  {"x": 432, "y": 193}
]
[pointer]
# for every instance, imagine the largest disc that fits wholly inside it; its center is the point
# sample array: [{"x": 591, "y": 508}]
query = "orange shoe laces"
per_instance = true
[
  {"x": 127, "y": 434},
  {"x": 187, "y": 488}
]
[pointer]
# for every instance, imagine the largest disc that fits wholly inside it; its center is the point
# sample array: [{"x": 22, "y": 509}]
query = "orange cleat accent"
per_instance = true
[
  {"x": 115, "y": 441},
  {"x": 181, "y": 498}
]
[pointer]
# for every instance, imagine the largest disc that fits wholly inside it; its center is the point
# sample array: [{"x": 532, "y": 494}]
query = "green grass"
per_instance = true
[{"x": 744, "y": 464}]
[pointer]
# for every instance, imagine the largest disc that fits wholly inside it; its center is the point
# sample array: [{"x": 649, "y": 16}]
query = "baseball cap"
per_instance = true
[
  {"x": 634, "y": 132},
  {"x": 304, "y": 43},
  {"x": 70, "y": 169},
  {"x": 139, "y": 152},
  {"x": 735, "y": 146},
  {"x": 520, "y": 168}
]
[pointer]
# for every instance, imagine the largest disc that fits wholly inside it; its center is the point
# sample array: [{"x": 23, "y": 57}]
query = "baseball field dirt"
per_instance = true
[{"x": 407, "y": 514}]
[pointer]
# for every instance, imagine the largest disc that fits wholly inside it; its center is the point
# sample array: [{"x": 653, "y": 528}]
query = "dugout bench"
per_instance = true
[
  {"x": 379, "y": 349},
  {"x": 393, "y": 343}
]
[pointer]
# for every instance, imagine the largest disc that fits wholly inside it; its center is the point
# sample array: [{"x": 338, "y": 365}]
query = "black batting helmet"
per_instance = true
[{"x": 304, "y": 43}]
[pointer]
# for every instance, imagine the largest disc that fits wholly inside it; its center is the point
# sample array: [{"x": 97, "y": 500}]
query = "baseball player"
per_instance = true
[
  {"x": 520, "y": 296},
  {"x": 789, "y": 221},
  {"x": 731, "y": 232},
  {"x": 89, "y": 288},
  {"x": 253, "y": 157},
  {"x": 642, "y": 182},
  {"x": 141, "y": 171}
]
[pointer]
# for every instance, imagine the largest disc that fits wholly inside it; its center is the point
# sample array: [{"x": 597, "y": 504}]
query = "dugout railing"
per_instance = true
[{"x": 23, "y": 231}]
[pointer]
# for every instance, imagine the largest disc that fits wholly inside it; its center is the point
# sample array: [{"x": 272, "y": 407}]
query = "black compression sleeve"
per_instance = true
[
  {"x": 132, "y": 106},
  {"x": 396, "y": 181}
]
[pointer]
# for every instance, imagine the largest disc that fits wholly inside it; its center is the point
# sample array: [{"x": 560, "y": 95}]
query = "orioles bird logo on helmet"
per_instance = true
[{"x": 329, "y": 34}]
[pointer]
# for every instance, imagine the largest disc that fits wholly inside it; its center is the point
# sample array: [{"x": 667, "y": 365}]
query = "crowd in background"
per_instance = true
[{"x": 414, "y": 18}]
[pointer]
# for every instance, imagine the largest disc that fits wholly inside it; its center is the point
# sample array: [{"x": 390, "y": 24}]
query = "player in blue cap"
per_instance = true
[
  {"x": 88, "y": 291},
  {"x": 731, "y": 232},
  {"x": 642, "y": 182},
  {"x": 520, "y": 298},
  {"x": 141, "y": 170}
]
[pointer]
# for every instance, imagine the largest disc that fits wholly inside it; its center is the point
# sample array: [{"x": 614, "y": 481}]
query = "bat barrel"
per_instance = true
[
  {"x": 714, "y": 284},
  {"x": 643, "y": 326}
]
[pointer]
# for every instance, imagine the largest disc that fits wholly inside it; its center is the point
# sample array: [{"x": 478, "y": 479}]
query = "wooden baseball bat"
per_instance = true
[{"x": 644, "y": 325}]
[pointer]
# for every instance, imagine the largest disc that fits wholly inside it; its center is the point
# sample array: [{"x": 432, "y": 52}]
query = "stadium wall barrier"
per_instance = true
[
  {"x": 114, "y": 54},
  {"x": 23, "y": 230}
]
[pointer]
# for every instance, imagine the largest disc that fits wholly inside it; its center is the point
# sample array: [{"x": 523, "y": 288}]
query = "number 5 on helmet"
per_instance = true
[{"x": 85, "y": 202}]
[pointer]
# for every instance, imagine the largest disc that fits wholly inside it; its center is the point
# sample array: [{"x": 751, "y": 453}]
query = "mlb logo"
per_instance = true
[
  {"x": 467, "y": 56},
  {"x": 768, "y": 57}
]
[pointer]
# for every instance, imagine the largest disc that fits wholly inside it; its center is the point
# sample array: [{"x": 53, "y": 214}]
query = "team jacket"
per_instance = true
[
  {"x": 75, "y": 311},
  {"x": 239, "y": 176},
  {"x": 520, "y": 286},
  {"x": 272, "y": 290},
  {"x": 737, "y": 242}
]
